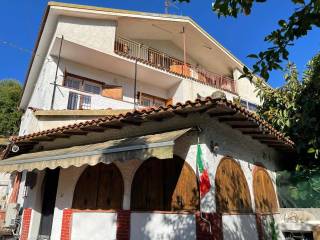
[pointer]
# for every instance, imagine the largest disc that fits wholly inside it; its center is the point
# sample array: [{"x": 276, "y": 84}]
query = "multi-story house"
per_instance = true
[
  {"x": 100, "y": 177},
  {"x": 99, "y": 59}
]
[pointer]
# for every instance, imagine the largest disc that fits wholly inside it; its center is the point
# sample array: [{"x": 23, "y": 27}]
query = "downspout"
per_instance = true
[{"x": 135, "y": 85}]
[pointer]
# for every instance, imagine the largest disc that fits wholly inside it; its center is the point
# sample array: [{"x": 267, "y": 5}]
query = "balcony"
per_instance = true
[{"x": 163, "y": 61}]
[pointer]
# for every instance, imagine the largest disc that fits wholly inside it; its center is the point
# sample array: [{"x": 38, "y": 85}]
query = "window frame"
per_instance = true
[
  {"x": 152, "y": 98},
  {"x": 79, "y": 101},
  {"x": 83, "y": 81}
]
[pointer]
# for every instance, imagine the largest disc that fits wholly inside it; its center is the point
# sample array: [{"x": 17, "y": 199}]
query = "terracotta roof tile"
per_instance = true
[{"x": 194, "y": 106}]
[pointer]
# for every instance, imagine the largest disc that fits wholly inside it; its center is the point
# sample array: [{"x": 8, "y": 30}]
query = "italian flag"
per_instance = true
[{"x": 202, "y": 174}]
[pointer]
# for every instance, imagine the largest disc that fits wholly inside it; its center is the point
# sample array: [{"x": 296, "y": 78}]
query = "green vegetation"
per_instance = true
[
  {"x": 305, "y": 16},
  {"x": 10, "y": 91},
  {"x": 294, "y": 109}
]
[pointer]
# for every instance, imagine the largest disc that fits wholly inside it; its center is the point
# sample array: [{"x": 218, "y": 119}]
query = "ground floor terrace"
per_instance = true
[
  {"x": 136, "y": 176},
  {"x": 149, "y": 199}
]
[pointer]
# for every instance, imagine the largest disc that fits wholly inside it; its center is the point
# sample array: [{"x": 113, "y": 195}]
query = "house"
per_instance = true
[
  {"x": 134, "y": 176},
  {"x": 117, "y": 107},
  {"x": 88, "y": 58}
]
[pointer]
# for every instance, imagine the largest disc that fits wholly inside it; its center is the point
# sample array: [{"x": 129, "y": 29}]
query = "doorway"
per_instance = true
[{"x": 50, "y": 185}]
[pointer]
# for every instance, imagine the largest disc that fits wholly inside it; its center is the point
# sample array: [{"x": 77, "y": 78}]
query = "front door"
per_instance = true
[{"x": 50, "y": 184}]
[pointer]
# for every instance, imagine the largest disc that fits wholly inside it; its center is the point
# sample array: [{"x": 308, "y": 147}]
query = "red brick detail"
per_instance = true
[
  {"x": 25, "y": 223},
  {"x": 15, "y": 189},
  {"x": 2, "y": 216},
  {"x": 66, "y": 224},
  {"x": 123, "y": 225},
  {"x": 259, "y": 226},
  {"x": 203, "y": 228}
]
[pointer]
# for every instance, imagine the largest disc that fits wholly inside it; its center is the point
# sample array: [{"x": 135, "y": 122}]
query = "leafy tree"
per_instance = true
[
  {"x": 10, "y": 91},
  {"x": 294, "y": 109},
  {"x": 305, "y": 16}
]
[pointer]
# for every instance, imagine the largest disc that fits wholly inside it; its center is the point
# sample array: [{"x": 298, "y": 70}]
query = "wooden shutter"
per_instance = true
[
  {"x": 167, "y": 185},
  {"x": 264, "y": 194},
  {"x": 186, "y": 194},
  {"x": 169, "y": 102},
  {"x": 147, "y": 190},
  {"x": 99, "y": 187},
  {"x": 114, "y": 92},
  {"x": 232, "y": 191}
]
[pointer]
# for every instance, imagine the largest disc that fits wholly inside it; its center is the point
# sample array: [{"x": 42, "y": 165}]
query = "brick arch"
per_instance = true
[
  {"x": 165, "y": 185},
  {"x": 232, "y": 191},
  {"x": 99, "y": 187},
  {"x": 265, "y": 197}
]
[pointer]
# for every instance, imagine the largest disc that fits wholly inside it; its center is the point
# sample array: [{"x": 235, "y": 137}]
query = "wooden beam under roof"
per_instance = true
[
  {"x": 133, "y": 120},
  {"x": 232, "y": 119},
  {"x": 76, "y": 132},
  {"x": 221, "y": 114},
  {"x": 43, "y": 138},
  {"x": 237, "y": 126},
  {"x": 93, "y": 128}
]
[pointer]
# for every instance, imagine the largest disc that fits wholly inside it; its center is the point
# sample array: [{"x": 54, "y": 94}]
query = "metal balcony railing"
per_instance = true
[{"x": 143, "y": 53}]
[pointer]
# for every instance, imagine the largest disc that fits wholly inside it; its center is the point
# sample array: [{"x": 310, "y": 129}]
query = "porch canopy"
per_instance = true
[{"x": 142, "y": 147}]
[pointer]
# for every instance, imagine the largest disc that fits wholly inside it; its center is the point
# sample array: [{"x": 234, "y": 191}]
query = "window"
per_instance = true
[
  {"x": 82, "y": 83},
  {"x": 73, "y": 101},
  {"x": 248, "y": 105},
  {"x": 72, "y": 83},
  {"x": 252, "y": 107},
  {"x": 264, "y": 194},
  {"x": 232, "y": 191},
  {"x": 244, "y": 103},
  {"x": 86, "y": 102},
  {"x": 99, "y": 187},
  {"x": 165, "y": 185},
  {"x": 78, "y": 101},
  {"x": 147, "y": 100},
  {"x": 92, "y": 88}
]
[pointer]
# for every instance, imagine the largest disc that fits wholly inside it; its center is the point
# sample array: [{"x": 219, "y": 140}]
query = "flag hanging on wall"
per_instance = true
[{"x": 203, "y": 174}]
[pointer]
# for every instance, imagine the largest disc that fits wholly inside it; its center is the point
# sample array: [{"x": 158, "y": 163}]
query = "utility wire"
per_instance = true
[{"x": 5, "y": 43}]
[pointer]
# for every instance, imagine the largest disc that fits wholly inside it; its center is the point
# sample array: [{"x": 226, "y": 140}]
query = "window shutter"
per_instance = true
[
  {"x": 232, "y": 191},
  {"x": 264, "y": 193},
  {"x": 115, "y": 92},
  {"x": 99, "y": 187},
  {"x": 165, "y": 185}
]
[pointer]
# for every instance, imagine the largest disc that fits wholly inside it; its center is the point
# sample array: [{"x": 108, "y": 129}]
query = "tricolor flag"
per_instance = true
[{"x": 202, "y": 174}]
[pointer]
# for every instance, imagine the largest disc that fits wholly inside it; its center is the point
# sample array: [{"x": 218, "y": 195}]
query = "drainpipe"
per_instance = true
[
  {"x": 135, "y": 85},
  {"x": 56, "y": 75}
]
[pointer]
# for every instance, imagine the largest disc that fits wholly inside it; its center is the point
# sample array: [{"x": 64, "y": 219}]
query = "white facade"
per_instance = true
[{"x": 88, "y": 50}]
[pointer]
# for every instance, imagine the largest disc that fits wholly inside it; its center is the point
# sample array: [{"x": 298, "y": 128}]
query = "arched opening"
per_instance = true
[
  {"x": 232, "y": 191},
  {"x": 165, "y": 185},
  {"x": 99, "y": 187},
  {"x": 265, "y": 198}
]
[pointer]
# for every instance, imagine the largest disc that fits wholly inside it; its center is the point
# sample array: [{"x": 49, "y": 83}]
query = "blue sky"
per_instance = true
[{"x": 20, "y": 21}]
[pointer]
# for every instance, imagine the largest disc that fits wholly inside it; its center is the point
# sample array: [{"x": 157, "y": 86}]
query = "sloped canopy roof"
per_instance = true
[
  {"x": 143, "y": 147},
  {"x": 225, "y": 111}
]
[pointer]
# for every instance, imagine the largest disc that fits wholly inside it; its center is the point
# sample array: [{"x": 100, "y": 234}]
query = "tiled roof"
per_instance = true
[{"x": 226, "y": 111}]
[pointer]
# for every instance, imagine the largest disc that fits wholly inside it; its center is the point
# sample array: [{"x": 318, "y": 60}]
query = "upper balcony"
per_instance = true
[{"x": 142, "y": 53}]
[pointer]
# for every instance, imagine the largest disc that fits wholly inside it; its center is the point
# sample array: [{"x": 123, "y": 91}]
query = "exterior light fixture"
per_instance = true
[
  {"x": 214, "y": 147},
  {"x": 15, "y": 148}
]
